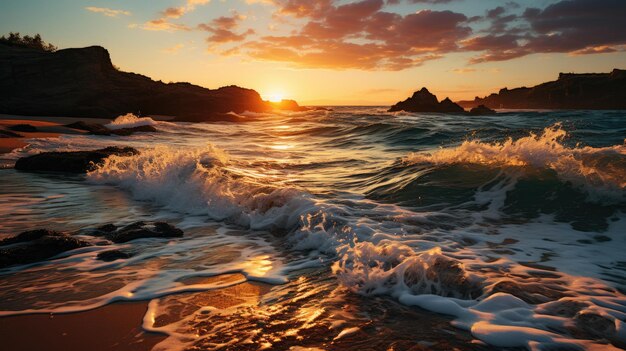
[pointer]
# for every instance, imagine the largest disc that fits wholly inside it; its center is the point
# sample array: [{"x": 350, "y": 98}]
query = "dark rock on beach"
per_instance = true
[
  {"x": 482, "y": 110},
  {"x": 424, "y": 101},
  {"x": 72, "y": 161},
  {"x": 36, "y": 245},
  {"x": 99, "y": 129},
  {"x": 9, "y": 134},
  {"x": 138, "y": 230},
  {"x": 26, "y": 128}
]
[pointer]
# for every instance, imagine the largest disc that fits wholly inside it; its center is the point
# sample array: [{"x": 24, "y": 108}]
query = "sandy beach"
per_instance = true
[
  {"x": 47, "y": 127},
  {"x": 117, "y": 326}
]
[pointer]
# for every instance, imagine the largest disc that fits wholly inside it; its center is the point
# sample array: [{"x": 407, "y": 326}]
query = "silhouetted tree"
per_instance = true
[{"x": 15, "y": 39}]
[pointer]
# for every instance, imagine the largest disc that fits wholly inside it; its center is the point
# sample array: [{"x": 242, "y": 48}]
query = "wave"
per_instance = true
[
  {"x": 129, "y": 120},
  {"x": 600, "y": 171}
]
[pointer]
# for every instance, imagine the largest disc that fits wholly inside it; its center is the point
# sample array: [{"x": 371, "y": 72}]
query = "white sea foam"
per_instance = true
[{"x": 129, "y": 120}]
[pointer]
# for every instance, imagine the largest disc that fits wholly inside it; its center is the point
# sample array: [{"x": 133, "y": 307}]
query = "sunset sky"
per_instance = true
[{"x": 339, "y": 52}]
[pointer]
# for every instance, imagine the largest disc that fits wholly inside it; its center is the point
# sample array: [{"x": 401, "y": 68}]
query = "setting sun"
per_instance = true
[{"x": 275, "y": 97}]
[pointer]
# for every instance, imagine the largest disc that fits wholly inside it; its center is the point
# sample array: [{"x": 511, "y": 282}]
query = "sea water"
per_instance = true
[{"x": 372, "y": 229}]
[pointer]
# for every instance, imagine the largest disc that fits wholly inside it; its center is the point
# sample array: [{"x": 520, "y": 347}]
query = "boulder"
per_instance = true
[
  {"x": 26, "y": 128},
  {"x": 9, "y": 134},
  {"x": 113, "y": 255},
  {"x": 482, "y": 110},
  {"x": 36, "y": 245},
  {"x": 71, "y": 161},
  {"x": 138, "y": 230}
]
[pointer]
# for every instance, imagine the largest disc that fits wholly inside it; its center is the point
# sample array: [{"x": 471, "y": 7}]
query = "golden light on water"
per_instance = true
[{"x": 259, "y": 266}]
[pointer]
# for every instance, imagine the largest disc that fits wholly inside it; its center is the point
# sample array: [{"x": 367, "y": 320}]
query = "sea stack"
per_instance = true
[{"x": 424, "y": 101}]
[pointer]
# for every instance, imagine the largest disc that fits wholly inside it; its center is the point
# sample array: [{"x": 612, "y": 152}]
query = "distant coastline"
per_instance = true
[{"x": 571, "y": 91}]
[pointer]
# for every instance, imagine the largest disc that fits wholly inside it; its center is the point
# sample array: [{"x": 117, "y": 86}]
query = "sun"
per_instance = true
[{"x": 275, "y": 97}]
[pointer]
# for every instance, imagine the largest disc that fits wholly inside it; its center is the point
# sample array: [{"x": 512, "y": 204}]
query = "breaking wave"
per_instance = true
[
  {"x": 600, "y": 171},
  {"x": 129, "y": 120}
]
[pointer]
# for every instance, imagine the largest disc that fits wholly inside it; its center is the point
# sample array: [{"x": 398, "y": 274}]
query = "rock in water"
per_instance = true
[
  {"x": 139, "y": 230},
  {"x": 424, "y": 101},
  {"x": 36, "y": 245},
  {"x": 72, "y": 161},
  {"x": 447, "y": 106},
  {"x": 482, "y": 110},
  {"x": 112, "y": 255}
]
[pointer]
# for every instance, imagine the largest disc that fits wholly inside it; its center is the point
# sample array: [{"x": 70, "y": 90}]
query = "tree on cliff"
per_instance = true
[{"x": 15, "y": 39}]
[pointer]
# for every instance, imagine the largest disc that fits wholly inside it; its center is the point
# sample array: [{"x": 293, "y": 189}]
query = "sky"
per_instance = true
[{"x": 339, "y": 52}]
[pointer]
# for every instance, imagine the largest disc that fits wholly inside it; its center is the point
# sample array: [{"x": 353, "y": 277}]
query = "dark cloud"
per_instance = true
[
  {"x": 569, "y": 26},
  {"x": 360, "y": 35},
  {"x": 222, "y": 29},
  {"x": 365, "y": 34}
]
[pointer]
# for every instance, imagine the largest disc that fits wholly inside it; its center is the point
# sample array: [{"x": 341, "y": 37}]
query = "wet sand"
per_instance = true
[
  {"x": 47, "y": 127},
  {"x": 113, "y": 327}
]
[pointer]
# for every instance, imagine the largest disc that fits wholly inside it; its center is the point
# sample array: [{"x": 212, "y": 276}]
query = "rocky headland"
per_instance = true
[
  {"x": 592, "y": 91},
  {"x": 84, "y": 82}
]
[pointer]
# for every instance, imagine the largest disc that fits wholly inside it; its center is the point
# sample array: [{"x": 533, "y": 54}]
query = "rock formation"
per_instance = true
[
  {"x": 481, "y": 110},
  {"x": 424, "y": 101},
  {"x": 85, "y": 83},
  {"x": 594, "y": 91},
  {"x": 71, "y": 161}
]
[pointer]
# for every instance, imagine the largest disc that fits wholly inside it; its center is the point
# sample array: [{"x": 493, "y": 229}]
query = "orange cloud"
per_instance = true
[
  {"x": 222, "y": 29},
  {"x": 107, "y": 11}
]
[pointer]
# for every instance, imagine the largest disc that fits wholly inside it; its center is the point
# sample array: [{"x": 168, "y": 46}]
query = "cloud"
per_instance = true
[
  {"x": 222, "y": 29},
  {"x": 367, "y": 35},
  {"x": 464, "y": 70},
  {"x": 173, "y": 12},
  {"x": 163, "y": 23},
  {"x": 107, "y": 11},
  {"x": 359, "y": 35},
  {"x": 570, "y": 26},
  {"x": 173, "y": 49}
]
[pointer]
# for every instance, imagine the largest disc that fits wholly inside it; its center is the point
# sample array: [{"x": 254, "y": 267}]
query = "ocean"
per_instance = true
[{"x": 369, "y": 230}]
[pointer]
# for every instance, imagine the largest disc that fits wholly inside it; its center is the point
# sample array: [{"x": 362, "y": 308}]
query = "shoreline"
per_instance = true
[
  {"x": 116, "y": 326},
  {"x": 47, "y": 127}
]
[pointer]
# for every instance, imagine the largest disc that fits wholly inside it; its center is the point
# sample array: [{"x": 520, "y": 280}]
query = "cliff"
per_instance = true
[
  {"x": 84, "y": 83},
  {"x": 593, "y": 91}
]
